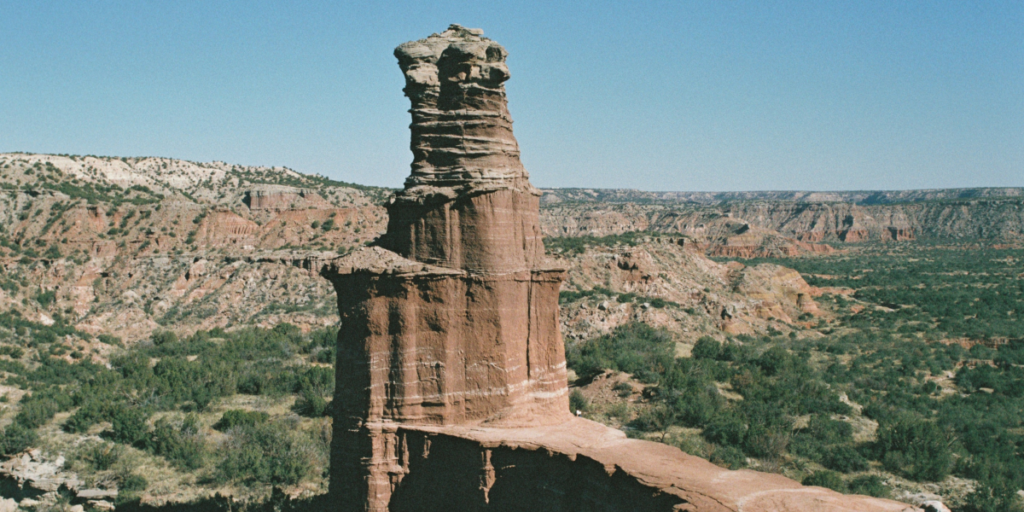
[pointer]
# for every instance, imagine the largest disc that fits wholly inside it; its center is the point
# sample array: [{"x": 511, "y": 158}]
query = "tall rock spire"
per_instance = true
[
  {"x": 452, "y": 319},
  {"x": 461, "y": 129},
  {"x": 468, "y": 202}
]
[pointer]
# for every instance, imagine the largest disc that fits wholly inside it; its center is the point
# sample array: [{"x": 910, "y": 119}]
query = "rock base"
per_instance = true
[{"x": 577, "y": 465}]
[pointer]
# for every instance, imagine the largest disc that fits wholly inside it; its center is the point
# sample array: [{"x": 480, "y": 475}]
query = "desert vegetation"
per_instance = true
[
  {"x": 918, "y": 374},
  {"x": 169, "y": 398}
]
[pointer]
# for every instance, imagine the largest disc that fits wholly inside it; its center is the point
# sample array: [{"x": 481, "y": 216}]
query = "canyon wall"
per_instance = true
[{"x": 803, "y": 221}]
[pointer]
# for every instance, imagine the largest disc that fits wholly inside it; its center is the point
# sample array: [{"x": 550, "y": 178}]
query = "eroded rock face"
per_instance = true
[
  {"x": 453, "y": 318},
  {"x": 461, "y": 128},
  {"x": 451, "y": 381},
  {"x": 442, "y": 346},
  {"x": 468, "y": 202},
  {"x": 280, "y": 197}
]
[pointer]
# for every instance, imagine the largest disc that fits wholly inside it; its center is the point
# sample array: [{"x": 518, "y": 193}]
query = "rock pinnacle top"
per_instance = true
[{"x": 461, "y": 129}]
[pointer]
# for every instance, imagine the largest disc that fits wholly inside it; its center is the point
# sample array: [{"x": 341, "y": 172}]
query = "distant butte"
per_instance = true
[{"x": 451, "y": 380}]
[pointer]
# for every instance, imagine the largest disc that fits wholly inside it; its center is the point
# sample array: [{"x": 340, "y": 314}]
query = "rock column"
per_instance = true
[{"x": 452, "y": 319}]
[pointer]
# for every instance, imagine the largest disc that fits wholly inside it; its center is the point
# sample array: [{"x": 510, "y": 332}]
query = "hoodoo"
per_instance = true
[{"x": 451, "y": 381}]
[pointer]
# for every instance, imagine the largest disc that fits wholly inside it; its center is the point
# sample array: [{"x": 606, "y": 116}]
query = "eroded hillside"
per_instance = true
[
  {"x": 126, "y": 246},
  {"x": 659, "y": 282}
]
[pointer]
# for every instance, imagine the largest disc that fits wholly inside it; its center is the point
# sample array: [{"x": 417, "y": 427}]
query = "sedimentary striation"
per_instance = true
[
  {"x": 468, "y": 202},
  {"x": 803, "y": 224},
  {"x": 451, "y": 381}
]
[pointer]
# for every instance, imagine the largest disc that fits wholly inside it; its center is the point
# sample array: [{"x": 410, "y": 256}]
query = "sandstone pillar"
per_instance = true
[{"x": 452, "y": 319}]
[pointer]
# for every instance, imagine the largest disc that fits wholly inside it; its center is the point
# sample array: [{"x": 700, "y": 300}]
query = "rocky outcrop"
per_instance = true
[
  {"x": 660, "y": 283},
  {"x": 713, "y": 233},
  {"x": 452, "y": 319},
  {"x": 823, "y": 221},
  {"x": 280, "y": 197},
  {"x": 451, "y": 380},
  {"x": 468, "y": 202},
  {"x": 121, "y": 263},
  {"x": 37, "y": 478},
  {"x": 898, "y": 234},
  {"x": 224, "y": 227}
]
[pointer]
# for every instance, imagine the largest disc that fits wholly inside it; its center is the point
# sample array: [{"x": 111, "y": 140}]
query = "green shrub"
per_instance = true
[
  {"x": 706, "y": 348},
  {"x": 46, "y": 298},
  {"x": 134, "y": 483},
  {"x": 237, "y": 417},
  {"x": 826, "y": 479},
  {"x": 844, "y": 458},
  {"x": 267, "y": 453},
  {"x": 870, "y": 485},
  {"x": 86, "y": 416},
  {"x": 697, "y": 407},
  {"x": 17, "y": 438},
  {"x": 987, "y": 498},
  {"x": 110, "y": 340},
  {"x": 654, "y": 419},
  {"x": 775, "y": 360},
  {"x": 101, "y": 456},
  {"x": 915, "y": 448},
  {"x": 163, "y": 338},
  {"x": 728, "y": 457},
  {"x": 769, "y": 429},
  {"x": 129, "y": 425},
  {"x": 13, "y": 352},
  {"x": 623, "y": 389},
  {"x": 828, "y": 431},
  {"x": 726, "y": 428},
  {"x": 36, "y": 412},
  {"x": 578, "y": 402},
  {"x": 635, "y": 348},
  {"x": 311, "y": 404},
  {"x": 183, "y": 446}
]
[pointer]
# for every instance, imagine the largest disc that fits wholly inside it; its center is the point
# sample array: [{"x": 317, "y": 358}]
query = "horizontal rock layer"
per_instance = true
[
  {"x": 461, "y": 128},
  {"x": 498, "y": 231}
]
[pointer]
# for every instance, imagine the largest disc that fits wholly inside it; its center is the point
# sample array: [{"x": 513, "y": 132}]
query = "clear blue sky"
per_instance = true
[{"x": 677, "y": 95}]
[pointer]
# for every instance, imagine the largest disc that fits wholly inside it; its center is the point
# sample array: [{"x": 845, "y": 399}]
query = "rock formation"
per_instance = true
[
  {"x": 280, "y": 197},
  {"x": 451, "y": 381},
  {"x": 452, "y": 320}
]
